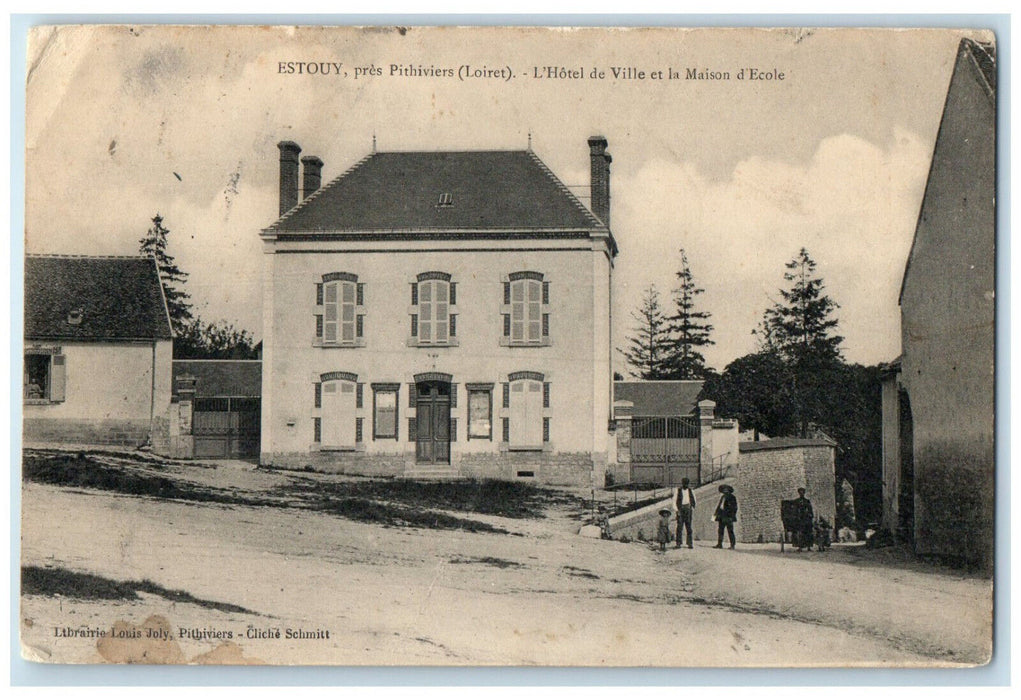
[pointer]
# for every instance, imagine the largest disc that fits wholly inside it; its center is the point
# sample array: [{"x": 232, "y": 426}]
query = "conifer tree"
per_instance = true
[
  {"x": 649, "y": 347},
  {"x": 689, "y": 328},
  {"x": 800, "y": 328},
  {"x": 154, "y": 244}
]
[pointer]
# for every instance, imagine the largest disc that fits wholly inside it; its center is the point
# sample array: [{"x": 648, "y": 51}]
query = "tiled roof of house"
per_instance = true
[
  {"x": 221, "y": 377},
  {"x": 94, "y": 298},
  {"x": 659, "y": 398},
  {"x": 441, "y": 191}
]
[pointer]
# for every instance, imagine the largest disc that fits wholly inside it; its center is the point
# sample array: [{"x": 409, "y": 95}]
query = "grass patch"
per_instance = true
[
  {"x": 37, "y": 580},
  {"x": 368, "y": 511},
  {"x": 490, "y": 561},
  {"x": 507, "y": 499}
]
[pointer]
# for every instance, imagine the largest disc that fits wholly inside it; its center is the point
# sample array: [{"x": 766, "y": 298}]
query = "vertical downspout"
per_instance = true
[{"x": 152, "y": 391}]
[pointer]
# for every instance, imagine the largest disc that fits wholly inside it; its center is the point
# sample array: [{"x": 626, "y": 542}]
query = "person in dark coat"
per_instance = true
[
  {"x": 805, "y": 534},
  {"x": 726, "y": 516},
  {"x": 684, "y": 504}
]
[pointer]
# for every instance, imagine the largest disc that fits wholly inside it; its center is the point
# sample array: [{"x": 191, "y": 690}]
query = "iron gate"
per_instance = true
[
  {"x": 226, "y": 428},
  {"x": 665, "y": 449}
]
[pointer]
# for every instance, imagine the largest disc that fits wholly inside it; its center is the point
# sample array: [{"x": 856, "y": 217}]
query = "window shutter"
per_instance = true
[
  {"x": 414, "y": 293},
  {"x": 506, "y": 294},
  {"x": 453, "y": 325},
  {"x": 319, "y": 326},
  {"x": 545, "y": 394},
  {"x": 545, "y": 325},
  {"x": 317, "y": 430},
  {"x": 58, "y": 378},
  {"x": 319, "y": 395},
  {"x": 412, "y": 395},
  {"x": 359, "y": 326},
  {"x": 453, "y": 430},
  {"x": 319, "y": 294},
  {"x": 453, "y": 395},
  {"x": 412, "y": 429},
  {"x": 545, "y": 429},
  {"x": 506, "y": 429},
  {"x": 545, "y": 292},
  {"x": 359, "y": 394},
  {"x": 453, "y": 294},
  {"x": 414, "y": 325},
  {"x": 360, "y": 295},
  {"x": 506, "y": 325},
  {"x": 506, "y": 395},
  {"x": 358, "y": 428}
]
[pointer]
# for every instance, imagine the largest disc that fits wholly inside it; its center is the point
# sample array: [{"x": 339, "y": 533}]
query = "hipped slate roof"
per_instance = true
[
  {"x": 119, "y": 299},
  {"x": 221, "y": 377},
  {"x": 401, "y": 192},
  {"x": 659, "y": 398}
]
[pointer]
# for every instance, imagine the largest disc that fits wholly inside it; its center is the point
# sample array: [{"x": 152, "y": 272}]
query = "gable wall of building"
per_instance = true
[{"x": 948, "y": 338}]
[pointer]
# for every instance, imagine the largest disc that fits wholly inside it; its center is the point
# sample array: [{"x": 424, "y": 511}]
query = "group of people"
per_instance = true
[{"x": 684, "y": 506}]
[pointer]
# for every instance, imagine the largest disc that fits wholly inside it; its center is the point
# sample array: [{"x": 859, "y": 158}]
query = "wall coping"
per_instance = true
[{"x": 784, "y": 443}]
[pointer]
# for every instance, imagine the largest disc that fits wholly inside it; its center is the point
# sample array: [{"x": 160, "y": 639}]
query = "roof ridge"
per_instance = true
[
  {"x": 564, "y": 188},
  {"x": 301, "y": 205}
]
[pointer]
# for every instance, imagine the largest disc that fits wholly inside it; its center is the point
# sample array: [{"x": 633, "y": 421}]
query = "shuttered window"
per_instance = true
[
  {"x": 338, "y": 429},
  {"x": 340, "y": 302}
]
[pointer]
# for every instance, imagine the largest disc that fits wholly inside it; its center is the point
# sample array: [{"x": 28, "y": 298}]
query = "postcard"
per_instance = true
[{"x": 509, "y": 346}]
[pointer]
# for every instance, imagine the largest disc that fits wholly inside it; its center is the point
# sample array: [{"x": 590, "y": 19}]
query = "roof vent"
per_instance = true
[
  {"x": 446, "y": 200},
  {"x": 74, "y": 316}
]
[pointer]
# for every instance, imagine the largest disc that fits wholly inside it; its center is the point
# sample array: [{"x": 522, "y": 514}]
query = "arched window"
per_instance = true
[
  {"x": 340, "y": 298},
  {"x": 433, "y": 312},
  {"x": 526, "y": 309},
  {"x": 525, "y": 415},
  {"x": 339, "y": 402}
]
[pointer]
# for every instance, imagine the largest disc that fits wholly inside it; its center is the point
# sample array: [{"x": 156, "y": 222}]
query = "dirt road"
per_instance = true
[{"x": 540, "y": 595}]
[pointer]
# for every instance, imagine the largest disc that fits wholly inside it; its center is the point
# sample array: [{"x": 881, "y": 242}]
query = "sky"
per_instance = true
[{"x": 125, "y": 122}]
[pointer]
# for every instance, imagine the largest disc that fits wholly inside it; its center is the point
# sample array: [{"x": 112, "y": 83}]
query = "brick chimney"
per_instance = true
[
  {"x": 313, "y": 175},
  {"x": 289, "y": 151},
  {"x": 600, "y": 202}
]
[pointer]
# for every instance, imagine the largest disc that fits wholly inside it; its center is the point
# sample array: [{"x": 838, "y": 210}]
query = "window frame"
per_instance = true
[
  {"x": 348, "y": 294},
  {"x": 534, "y": 312},
  {"x": 55, "y": 390},
  {"x": 339, "y": 379},
  {"x": 535, "y": 414},
  {"x": 377, "y": 390},
  {"x": 434, "y": 281},
  {"x": 485, "y": 389}
]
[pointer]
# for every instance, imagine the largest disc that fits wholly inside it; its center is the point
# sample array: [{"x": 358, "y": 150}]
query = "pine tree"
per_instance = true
[
  {"x": 689, "y": 328},
  {"x": 154, "y": 244},
  {"x": 800, "y": 327},
  {"x": 648, "y": 349},
  {"x": 801, "y": 330}
]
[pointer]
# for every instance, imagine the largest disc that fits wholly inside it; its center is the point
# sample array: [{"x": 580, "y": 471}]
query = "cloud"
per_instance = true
[{"x": 853, "y": 205}]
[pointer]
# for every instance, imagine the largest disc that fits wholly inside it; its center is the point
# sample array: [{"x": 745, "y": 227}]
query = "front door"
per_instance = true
[{"x": 433, "y": 423}]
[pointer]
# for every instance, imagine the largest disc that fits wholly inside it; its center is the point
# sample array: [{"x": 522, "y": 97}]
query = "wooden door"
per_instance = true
[{"x": 433, "y": 423}]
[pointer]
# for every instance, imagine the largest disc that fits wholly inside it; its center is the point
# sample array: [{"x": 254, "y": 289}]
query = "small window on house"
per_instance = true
[
  {"x": 44, "y": 377},
  {"x": 434, "y": 320},
  {"x": 480, "y": 413},
  {"x": 341, "y": 298},
  {"x": 446, "y": 200},
  {"x": 384, "y": 411},
  {"x": 526, "y": 317}
]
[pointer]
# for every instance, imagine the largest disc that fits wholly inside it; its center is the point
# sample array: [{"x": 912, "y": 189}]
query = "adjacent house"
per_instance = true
[
  {"x": 938, "y": 397},
  {"x": 98, "y": 346},
  {"x": 439, "y": 313}
]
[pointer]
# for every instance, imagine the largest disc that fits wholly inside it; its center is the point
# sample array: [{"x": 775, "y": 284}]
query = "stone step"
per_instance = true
[{"x": 431, "y": 473}]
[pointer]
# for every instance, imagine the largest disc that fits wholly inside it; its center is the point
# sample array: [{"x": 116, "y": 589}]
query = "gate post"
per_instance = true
[
  {"x": 622, "y": 417},
  {"x": 706, "y": 413}
]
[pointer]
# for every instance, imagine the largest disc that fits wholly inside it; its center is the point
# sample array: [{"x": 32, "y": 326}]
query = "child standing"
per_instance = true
[{"x": 663, "y": 530}]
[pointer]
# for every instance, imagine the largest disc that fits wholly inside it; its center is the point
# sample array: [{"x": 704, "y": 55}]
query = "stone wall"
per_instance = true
[
  {"x": 111, "y": 431},
  {"x": 773, "y": 470}
]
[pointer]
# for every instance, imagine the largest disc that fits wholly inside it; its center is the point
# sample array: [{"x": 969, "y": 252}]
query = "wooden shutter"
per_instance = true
[
  {"x": 453, "y": 294},
  {"x": 319, "y": 294},
  {"x": 58, "y": 378}
]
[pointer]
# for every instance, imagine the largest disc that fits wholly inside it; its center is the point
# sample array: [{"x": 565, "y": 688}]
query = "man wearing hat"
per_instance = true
[
  {"x": 806, "y": 521},
  {"x": 726, "y": 516},
  {"x": 685, "y": 506}
]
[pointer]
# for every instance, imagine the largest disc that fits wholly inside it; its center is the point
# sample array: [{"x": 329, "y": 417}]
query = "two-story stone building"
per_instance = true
[{"x": 439, "y": 313}]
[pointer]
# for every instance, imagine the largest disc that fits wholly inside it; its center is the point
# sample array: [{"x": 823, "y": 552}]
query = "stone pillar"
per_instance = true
[
  {"x": 622, "y": 417},
  {"x": 184, "y": 442},
  {"x": 706, "y": 414}
]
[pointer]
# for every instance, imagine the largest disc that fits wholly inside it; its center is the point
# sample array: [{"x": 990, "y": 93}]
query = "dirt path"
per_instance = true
[{"x": 413, "y": 596}]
